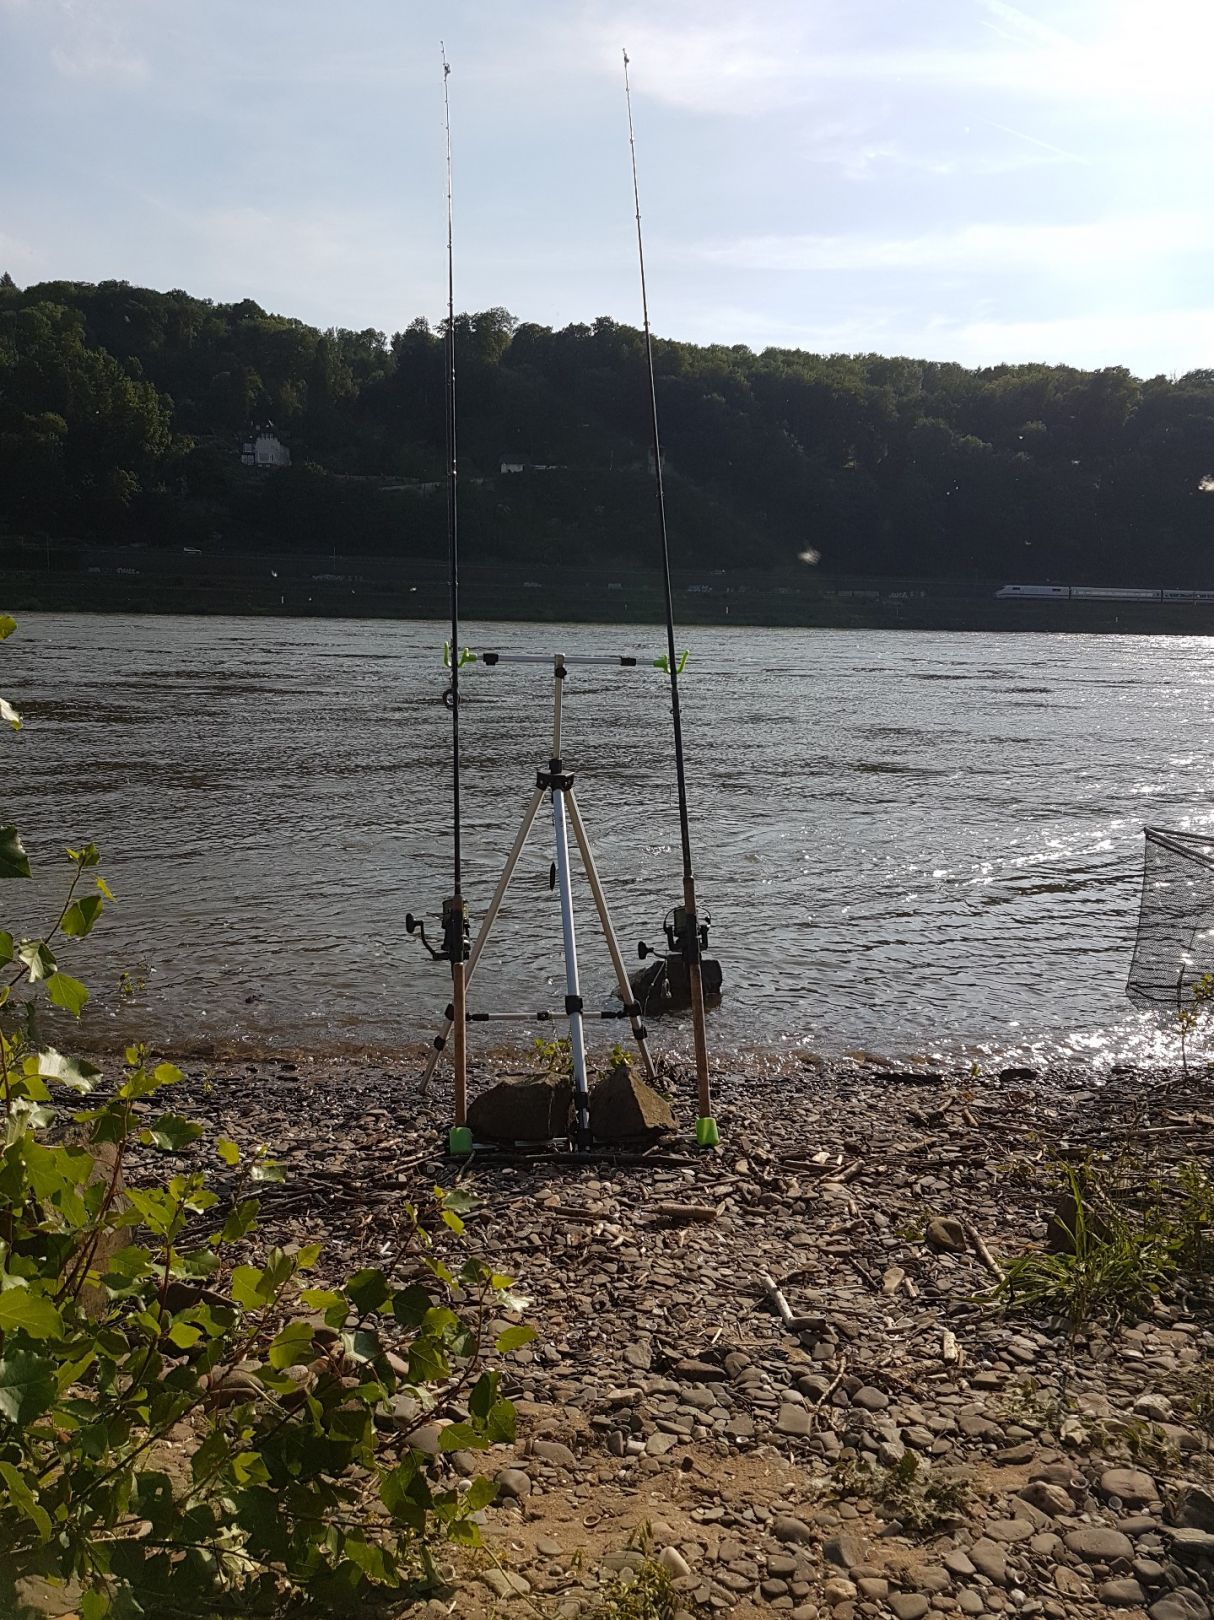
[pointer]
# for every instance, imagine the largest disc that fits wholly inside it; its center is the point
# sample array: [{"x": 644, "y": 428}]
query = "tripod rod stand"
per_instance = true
[{"x": 558, "y": 784}]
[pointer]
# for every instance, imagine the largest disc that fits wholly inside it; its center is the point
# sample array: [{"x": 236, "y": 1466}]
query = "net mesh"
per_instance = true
[{"x": 1175, "y": 943}]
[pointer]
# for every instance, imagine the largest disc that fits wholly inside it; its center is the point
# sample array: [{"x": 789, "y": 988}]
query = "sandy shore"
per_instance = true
[{"x": 668, "y": 1411}]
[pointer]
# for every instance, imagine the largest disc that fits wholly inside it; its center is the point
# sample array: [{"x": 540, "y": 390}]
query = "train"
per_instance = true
[{"x": 1095, "y": 593}]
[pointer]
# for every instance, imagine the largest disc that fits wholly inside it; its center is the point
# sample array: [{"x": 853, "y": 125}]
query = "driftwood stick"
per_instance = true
[
  {"x": 974, "y": 1238},
  {"x": 777, "y": 1299},
  {"x": 685, "y": 1212}
]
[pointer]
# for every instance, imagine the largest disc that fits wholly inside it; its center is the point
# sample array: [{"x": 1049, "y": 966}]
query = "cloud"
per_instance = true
[
  {"x": 998, "y": 246},
  {"x": 113, "y": 66}
]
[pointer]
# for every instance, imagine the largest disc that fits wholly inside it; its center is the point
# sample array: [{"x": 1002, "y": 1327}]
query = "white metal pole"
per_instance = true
[
  {"x": 573, "y": 993},
  {"x": 613, "y": 945}
]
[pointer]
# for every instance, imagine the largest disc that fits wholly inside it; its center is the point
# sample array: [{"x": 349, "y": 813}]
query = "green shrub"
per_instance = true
[
  {"x": 184, "y": 1430},
  {"x": 1115, "y": 1264}
]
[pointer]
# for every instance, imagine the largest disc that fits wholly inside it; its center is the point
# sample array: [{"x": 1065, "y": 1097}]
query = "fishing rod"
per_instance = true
[
  {"x": 687, "y": 932},
  {"x": 455, "y": 922}
]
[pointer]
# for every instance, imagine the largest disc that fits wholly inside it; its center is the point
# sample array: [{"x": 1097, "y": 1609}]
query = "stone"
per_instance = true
[
  {"x": 1009, "y": 1530},
  {"x": 1133, "y": 1487},
  {"x": 532, "y": 1109},
  {"x": 512, "y": 1485},
  {"x": 1096, "y": 1544},
  {"x": 504, "y": 1583},
  {"x": 1195, "y": 1508},
  {"x": 839, "y": 1590},
  {"x": 786, "y": 1528},
  {"x": 552, "y": 1451},
  {"x": 945, "y": 1235},
  {"x": 623, "y": 1107},
  {"x": 673, "y": 1562},
  {"x": 1120, "y": 1594},
  {"x": 908, "y": 1605},
  {"x": 794, "y": 1420},
  {"x": 1069, "y": 1582},
  {"x": 969, "y": 1601},
  {"x": 958, "y": 1562},
  {"x": 1190, "y": 1546},
  {"x": 990, "y": 1559},
  {"x": 844, "y": 1551},
  {"x": 1172, "y": 1608},
  {"x": 1047, "y": 1498},
  {"x": 1155, "y": 1408},
  {"x": 870, "y": 1399}
]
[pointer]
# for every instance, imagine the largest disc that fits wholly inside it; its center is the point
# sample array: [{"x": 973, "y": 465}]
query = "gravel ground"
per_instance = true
[{"x": 799, "y": 1399}]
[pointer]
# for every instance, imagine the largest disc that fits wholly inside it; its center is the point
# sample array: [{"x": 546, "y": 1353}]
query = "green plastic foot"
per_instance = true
[
  {"x": 459, "y": 1141},
  {"x": 707, "y": 1134}
]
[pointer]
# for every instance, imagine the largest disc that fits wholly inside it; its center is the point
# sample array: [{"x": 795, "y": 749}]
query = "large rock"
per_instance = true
[
  {"x": 1195, "y": 1509},
  {"x": 533, "y": 1109},
  {"x": 623, "y": 1107}
]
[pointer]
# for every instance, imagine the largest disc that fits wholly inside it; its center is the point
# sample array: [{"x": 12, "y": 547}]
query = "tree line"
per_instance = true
[{"x": 123, "y": 410}]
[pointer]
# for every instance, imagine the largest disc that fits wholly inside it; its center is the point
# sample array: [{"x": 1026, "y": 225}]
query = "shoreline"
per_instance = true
[{"x": 668, "y": 1416}]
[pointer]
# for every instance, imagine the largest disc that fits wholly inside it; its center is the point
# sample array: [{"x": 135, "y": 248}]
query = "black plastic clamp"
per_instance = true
[{"x": 573, "y": 1004}]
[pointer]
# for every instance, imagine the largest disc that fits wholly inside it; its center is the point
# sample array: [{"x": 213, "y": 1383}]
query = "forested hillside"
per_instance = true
[{"x": 123, "y": 411}]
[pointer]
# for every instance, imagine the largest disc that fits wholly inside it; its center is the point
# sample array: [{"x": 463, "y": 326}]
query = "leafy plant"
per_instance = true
[
  {"x": 555, "y": 1056},
  {"x": 922, "y": 1501},
  {"x": 644, "y": 1594},
  {"x": 1190, "y": 1017},
  {"x": 1115, "y": 1262},
  {"x": 184, "y": 1429}
]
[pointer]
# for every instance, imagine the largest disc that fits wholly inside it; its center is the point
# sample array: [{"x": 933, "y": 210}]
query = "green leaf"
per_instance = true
[
  {"x": 267, "y": 1170},
  {"x": 7, "y": 712},
  {"x": 334, "y": 1306},
  {"x": 89, "y": 855},
  {"x": 461, "y": 1437},
  {"x": 69, "y": 1071},
  {"x": 249, "y": 1288},
  {"x": 410, "y": 1305},
  {"x": 38, "y": 958},
  {"x": 292, "y": 1345},
  {"x": 6, "y": 947},
  {"x": 368, "y": 1290},
  {"x": 80, "y": 916},
  {"x": 484, "y": 1393},
  {"x": 105, "y": 889},
  {"x": 66, "y": 992},
  {"x": 171, "y": 1132},
  {"x": 451, "y": 1219},
  {"x": 185, "y": 1335},
  {"x": 513, "y": 1339},
  {"x": 249, "y": 1468},
  {"x": 227, "y": 1151},
  {"x": 479, "y": 1494},
  {"x": 14, "y": 862},
  {"x": 7, "y": 625},
  {"x": 22, "y": 1498},
  {"x": 27, "y": 1386},
  {"x": 500, "y": 1424},
  {"x": 95, "y": 1604},
  {"x": 32, "y": 1313},
  {"x": 240, "y": 1220}
]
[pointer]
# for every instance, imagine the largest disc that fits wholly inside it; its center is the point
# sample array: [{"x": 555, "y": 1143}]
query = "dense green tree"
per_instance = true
[{"x": 123, "y": 410}]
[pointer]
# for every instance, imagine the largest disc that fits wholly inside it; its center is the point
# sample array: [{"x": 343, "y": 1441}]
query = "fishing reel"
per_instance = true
[
  {"x": 455, "y": 934},
  {"x": 677, "y": 928}
]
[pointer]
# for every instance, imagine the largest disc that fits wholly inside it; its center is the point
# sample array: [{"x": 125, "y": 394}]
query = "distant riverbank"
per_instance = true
[{"x": 61, "y": 577}]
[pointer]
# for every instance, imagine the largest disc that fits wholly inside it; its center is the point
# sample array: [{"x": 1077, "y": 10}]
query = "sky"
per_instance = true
[{"x": 969, "y": 180}]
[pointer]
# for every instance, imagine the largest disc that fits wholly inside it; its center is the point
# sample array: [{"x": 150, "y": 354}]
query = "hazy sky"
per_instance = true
[{"x": 961, "y": 179}]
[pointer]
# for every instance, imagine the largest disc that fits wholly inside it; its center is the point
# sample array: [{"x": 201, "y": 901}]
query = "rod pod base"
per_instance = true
[
  {"x": 459, "y": 1141},
  {"x": 707, "y": 1134}
]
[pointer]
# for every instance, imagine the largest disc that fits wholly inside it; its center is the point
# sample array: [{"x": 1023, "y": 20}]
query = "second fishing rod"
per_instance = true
[{"x": 686, "y": 934}]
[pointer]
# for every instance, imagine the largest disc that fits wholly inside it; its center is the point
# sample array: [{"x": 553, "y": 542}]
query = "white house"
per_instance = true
[{"x": 265, "y": 449}]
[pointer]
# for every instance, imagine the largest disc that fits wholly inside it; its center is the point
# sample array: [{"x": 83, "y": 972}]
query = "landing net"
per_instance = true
[{"x": 1175, "y": 944}]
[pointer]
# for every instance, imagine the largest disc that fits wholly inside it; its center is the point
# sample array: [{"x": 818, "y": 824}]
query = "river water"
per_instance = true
[{"x": 909, "y": 843}]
